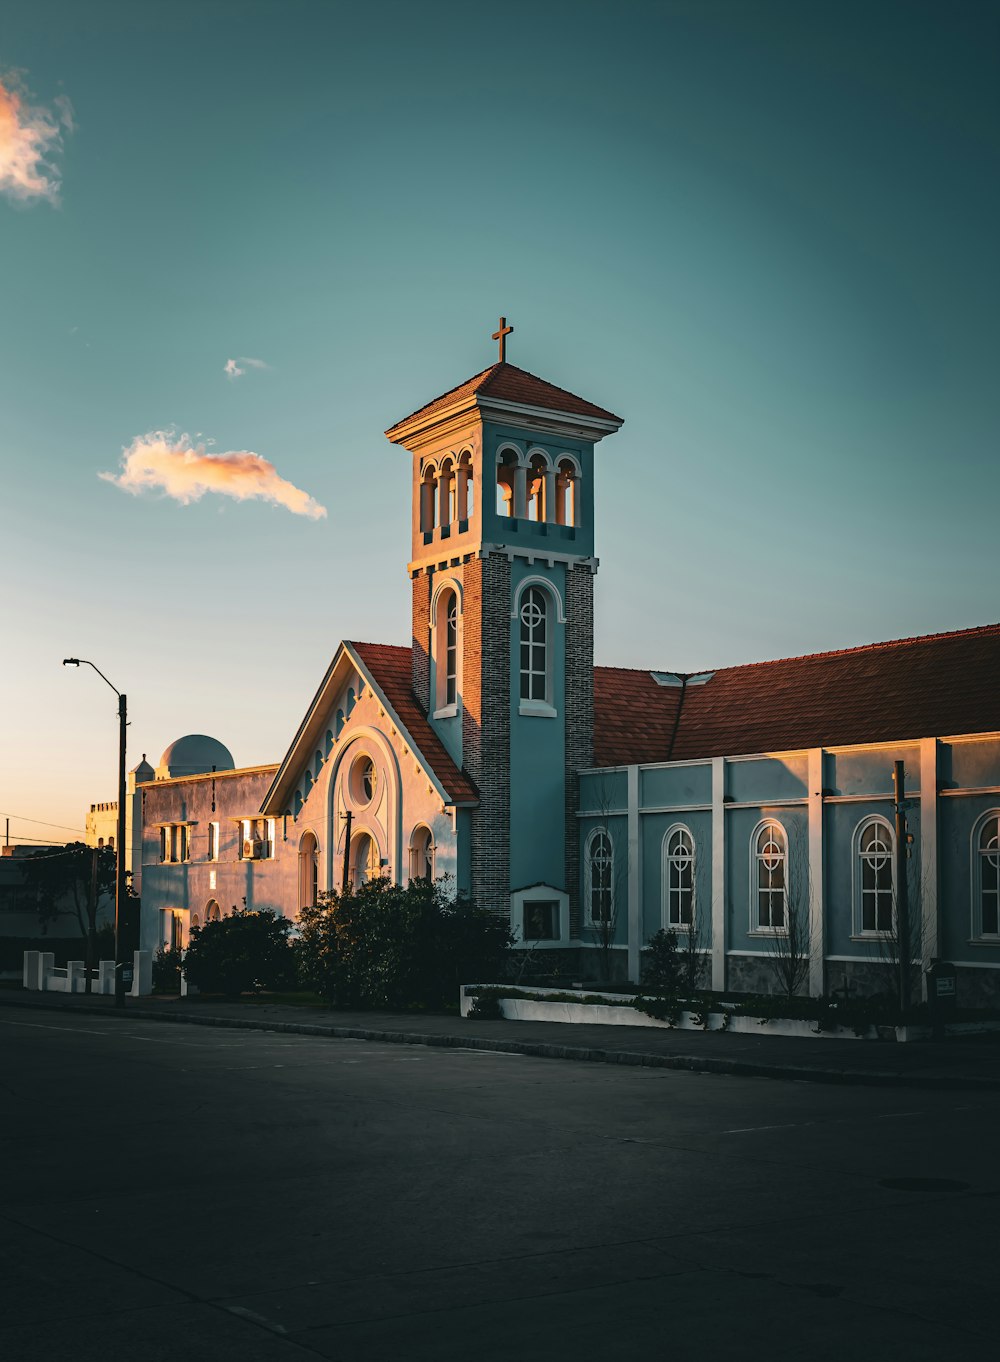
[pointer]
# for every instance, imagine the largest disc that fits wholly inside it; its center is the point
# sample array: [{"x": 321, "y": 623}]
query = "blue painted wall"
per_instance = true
[{"x": 538, "y": 754}]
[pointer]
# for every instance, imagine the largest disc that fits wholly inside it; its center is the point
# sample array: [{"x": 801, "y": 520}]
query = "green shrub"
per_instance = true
[
  {"x": 166, "y": 970},
  {"x": 662, "y": 967},
  {"x": 396, "y": 946},
  {"x": 245, "y": 951}
]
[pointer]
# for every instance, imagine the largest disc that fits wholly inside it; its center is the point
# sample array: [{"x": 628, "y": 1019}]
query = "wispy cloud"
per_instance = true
[
  {"x": 236, "y": 368},
  {"x": 30, "y": 136},
  {"x": 181, "y": 469}
]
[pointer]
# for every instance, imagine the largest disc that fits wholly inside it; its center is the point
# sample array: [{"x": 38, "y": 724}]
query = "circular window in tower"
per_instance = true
[{"x": 364, "y": 780}]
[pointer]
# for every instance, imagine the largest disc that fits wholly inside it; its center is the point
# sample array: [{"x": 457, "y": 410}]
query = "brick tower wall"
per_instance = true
[
  {"x": 486, "y": 724},
  {"x": 579, "y": 702},
  {"x": 422, "y": 639}
]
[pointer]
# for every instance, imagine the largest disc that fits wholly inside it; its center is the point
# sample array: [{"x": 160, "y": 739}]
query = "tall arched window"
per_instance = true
[
  {"x": 873, "y": 878},
  {"x": 534, "y": 618},
  {"x": 507, "y": 475},
  {"x": 213, "y": 913},
  {"x": 678, "y": 877},
  {"x": 365, "y": 862},
  {"x": 566, "y": 493},
  {"x": 770, "y": 878},
  {"x": 308, "y": 870},
  {"x": 446, "y": 649},
  {"x": 986, "y": 884},
  {"x": 421, "y": 854},
  {"x": 600, "y": 876}
]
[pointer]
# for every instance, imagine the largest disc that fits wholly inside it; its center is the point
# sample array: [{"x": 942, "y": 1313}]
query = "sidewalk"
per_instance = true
[{"x": 968, "y": 1063}]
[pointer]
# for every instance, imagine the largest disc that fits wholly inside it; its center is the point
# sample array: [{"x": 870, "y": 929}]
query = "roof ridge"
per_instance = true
[{"x": 831, "y": 652}]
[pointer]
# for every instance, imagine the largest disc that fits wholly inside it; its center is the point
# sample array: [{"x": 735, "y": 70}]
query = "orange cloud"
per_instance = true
[
  {"x": 183, "y": 470},
  {"x": 29, "y": 134}
]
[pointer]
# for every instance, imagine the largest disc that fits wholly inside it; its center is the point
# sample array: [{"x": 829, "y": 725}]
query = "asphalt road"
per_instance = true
[{"x": 209, "y": 1194}]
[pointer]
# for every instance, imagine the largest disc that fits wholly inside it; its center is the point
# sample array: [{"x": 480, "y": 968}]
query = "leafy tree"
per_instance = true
[
  {"x": 249, "y": 949},
  {"x": 71, "y": 883},
  {"x": 396, "y": 946}
]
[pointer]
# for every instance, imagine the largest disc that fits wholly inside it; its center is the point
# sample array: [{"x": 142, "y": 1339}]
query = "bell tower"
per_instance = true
[{"x": 502, "y": 566}]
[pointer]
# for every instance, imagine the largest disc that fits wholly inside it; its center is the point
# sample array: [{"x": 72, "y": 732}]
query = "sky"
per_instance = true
[{"x": 240, "y": 240}]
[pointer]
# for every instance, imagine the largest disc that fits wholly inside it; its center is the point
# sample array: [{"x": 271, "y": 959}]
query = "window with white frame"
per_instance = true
[
  {"x": 600, "y": 876},
  {"x": 769, "y": 884},
  {"x": 873, "y": 877},
  {"x": 256, "y": 839},
  {"x": 421, "y": 854},
  {"x": 986, "y": 877},
  {"x": 678, "y": 877},
  {"x": 174, "y": 842},
  {"x": 534, "y": 619}
]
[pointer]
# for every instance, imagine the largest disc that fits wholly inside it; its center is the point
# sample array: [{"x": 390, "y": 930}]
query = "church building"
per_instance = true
[{"x": 594, "y": 804}]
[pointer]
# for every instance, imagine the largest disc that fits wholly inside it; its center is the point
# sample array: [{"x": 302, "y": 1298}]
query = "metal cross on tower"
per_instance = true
[{"x": 501, "y": 336}]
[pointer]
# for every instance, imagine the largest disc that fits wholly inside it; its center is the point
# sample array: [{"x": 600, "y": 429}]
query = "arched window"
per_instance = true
[
  {"x": 770, "y": 878},
  {"x": 213, "y": 913},
  {"x": 678, "y": 878},
  {"x": 195, "y": 922},
  {"x": 600, "y": 876},
  {"x": 365, "y": 862},
  {"x": 537, "y": 508},
  {"x": 421, "y": 854},
  {"x": 428, "y": 501},
  {"x": 308, "y": 870},
  {"x": 566, "y": 493},
  {"x": 446, "y": 650},
  {"x": 986, "y": 877},
  {"x": 447, "y": 494},
  {"x": 465, "y": 486},
  {"x": 534, "y": 618},
  {"x": 873, "y": 877},
  {"x": 507, "y": 471}
]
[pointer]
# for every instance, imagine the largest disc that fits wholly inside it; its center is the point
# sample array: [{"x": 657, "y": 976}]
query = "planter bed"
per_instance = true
[{"x": 611, "y": 1009}]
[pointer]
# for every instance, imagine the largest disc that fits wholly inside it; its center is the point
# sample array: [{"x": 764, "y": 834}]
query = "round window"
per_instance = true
[{"x": 364, "y": 780}]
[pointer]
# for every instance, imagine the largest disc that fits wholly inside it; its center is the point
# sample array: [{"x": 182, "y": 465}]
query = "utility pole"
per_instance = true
[
  {"x": 902, "y": 898},
  {"x": 346, "y": 881},
  {"x": 120, "y": 890},
  {"x": 91, "y": 918},
  {"x": 120, "y": 898}
]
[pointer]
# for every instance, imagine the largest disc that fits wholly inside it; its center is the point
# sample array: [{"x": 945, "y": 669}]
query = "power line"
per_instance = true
[{"x": 22, "y": 819}]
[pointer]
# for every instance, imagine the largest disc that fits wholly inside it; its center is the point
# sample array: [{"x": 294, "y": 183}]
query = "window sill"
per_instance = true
[
  {"x": 445, "y": 712},
  {"x": 769, "y": 933},
  {"x": 988, "y": 941},
  {"x": 535, "y": 943},
  {"x": 537, "y": 709},
  {"x": 873, "y": 937}
]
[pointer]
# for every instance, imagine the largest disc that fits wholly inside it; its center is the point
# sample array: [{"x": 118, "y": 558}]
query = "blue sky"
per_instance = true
[{"x": 764, "y": 233}]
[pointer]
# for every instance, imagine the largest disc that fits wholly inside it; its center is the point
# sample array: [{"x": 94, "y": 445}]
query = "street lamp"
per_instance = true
[{"x": 120, "y": 848}]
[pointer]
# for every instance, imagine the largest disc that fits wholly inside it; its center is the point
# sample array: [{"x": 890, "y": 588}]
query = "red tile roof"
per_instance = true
[
  {"x": 511, "y": 384},
  {"x": 911, "y": 688},
  {"x": 390, "y": 667}
]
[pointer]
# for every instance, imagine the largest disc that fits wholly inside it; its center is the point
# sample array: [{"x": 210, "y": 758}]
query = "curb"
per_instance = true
[{"x": 544, "y": 1050}]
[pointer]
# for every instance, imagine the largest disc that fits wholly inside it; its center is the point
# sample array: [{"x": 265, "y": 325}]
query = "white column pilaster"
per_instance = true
[
  {"x": 817, "y": 878},
  {"x": 718, "y": 873},
  {"x": 520, "y": 493},
  {"x": 634, "y": 877},
  {"x": 926, "y": 900}
]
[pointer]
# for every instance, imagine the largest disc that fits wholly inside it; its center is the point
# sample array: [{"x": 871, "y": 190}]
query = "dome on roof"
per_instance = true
[{"x": 194, "y": 755}]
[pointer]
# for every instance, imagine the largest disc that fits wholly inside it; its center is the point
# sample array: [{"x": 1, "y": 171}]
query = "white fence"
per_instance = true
[{"x": 42, "y": 975}]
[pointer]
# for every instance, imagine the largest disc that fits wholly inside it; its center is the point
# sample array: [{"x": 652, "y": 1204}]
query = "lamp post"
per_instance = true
[{"x": 120, "y": 848}]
